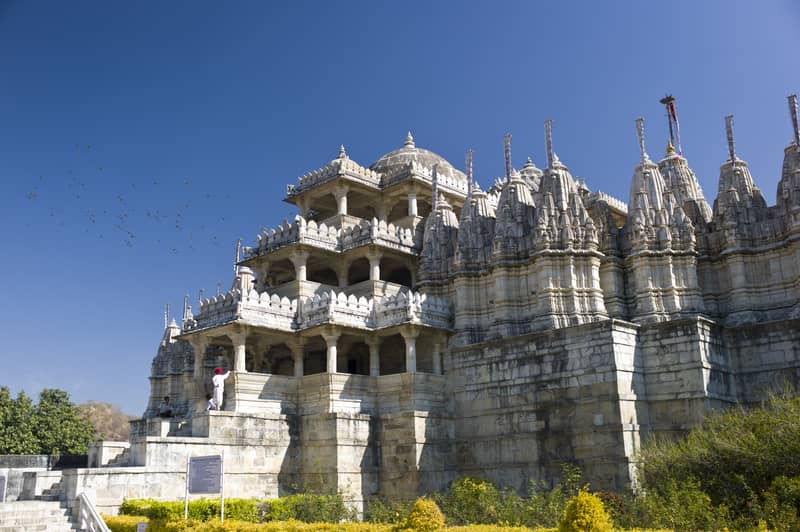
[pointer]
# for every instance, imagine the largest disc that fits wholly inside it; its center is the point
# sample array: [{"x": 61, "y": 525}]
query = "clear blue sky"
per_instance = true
[{"x": 138, "y": 140}]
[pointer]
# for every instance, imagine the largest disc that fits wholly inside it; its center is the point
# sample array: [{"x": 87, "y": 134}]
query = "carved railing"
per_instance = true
[
  {"x": 281, "y": 313},
  {"x": 611, "y": 200},
  {"x": 264, "y": 309},
  {"x": 374, "y": 313},
  {"x": 453, "y": 184},
  {"x": 338, "y": 167},
  {"x": 333, "y": 238}
]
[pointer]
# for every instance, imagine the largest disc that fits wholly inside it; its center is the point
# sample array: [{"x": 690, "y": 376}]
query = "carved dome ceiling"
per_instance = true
[{"x": 398, "y": 160}]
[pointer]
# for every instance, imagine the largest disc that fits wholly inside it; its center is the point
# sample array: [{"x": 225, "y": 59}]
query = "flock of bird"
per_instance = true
[{"x": 175, "y": 215}]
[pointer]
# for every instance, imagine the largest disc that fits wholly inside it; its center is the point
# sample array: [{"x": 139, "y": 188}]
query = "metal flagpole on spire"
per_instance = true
[
  {"x": 672, "y": 116},
  {"x": 434, "y": 188},
  {"x": 200, "y": 294},
  {"x": 469, "y": 174},
  {"x": 548, "y": 142},
  {"x": 793, "y": 113},
  {"x": 665, "y": 101},
  {"x": 507, "y": 154},
  {"x": 640, "y": 136},
  {"x": 729, "y": 134},
  {"x": 185, "y": 307},
  {"x": 219, "y": 287},
  {"x": 166, "y": 315}
]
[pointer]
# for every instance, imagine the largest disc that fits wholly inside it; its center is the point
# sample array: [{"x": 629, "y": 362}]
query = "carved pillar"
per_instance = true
[
  {"x": 261, "y": 363},
  {"x": 437, "y": 357},
  {"x": 382, "y": 212},
  {"x": 412, "y": 204},
  {"x": 302, "y": 205},
  {"x": 374, "y": 265},
  {"x": 199, "y": 345},
  {"x": 331, "y": 339},
  {"x": 341, "y": 274},
  {"x": 297, "y": 346},
  {"x": 299, "y": 259},
  {"x": 374, "y": 356},
  {"x": 410, "y": 336},
  {"x": 238, "y": 340},
  {"x": 341, "y": 200}
]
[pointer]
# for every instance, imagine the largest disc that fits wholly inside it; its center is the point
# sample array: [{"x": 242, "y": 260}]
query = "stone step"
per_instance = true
[{"x": 35, "y": 516}]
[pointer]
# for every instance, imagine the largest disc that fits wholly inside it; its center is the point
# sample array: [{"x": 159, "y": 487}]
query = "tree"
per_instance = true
[
  {"x": 109, "y": 422},
  {"x": 16, "y": 424},
  {"x": 59, "y": 426}
]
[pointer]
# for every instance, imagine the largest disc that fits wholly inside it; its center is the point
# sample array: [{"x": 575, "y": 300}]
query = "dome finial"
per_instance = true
[
  {"x": 670, "y": 148},
  {"x": 342, "y": 152},
  {"x": 409, "y": 143}
]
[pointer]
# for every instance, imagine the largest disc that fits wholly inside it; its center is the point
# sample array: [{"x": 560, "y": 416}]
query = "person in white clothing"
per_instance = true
[{"x": 219, "y": 386}]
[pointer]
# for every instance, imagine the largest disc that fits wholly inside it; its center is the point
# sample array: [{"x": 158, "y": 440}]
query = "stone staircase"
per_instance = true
[
  {"x": 122, "y": 459},
  {"x": 39, "y": 515}
]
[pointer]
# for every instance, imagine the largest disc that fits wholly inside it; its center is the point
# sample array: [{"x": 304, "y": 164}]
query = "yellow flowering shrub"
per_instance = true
[{"x": 585, "y": 513}]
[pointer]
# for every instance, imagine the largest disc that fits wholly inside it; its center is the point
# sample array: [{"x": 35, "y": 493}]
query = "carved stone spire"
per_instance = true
[
  {"x": 739, "y": 201},
  {"x": 789, "y": 185},
  {"x": 684, "y": 187}
]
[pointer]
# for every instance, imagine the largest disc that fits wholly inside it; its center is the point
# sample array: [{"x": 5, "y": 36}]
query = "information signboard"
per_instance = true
[{"x": 205, "y": 474}]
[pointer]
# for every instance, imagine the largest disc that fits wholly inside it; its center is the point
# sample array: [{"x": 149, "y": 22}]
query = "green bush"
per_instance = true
[
  {"x": 123, "y": 523},
  {"x": 545, "y": 507},
  {"x": 781, "y": 504},
  {"x": 425, "y": 516},
  {"x": 471, "y": 500},
  {"x": 383, "y": 510},
  {"x": 585, "y": 513},
  {"x": 682, "y": 506},
  {"x": 734, "y": 455},
  {"x": 308, "y": 508}
]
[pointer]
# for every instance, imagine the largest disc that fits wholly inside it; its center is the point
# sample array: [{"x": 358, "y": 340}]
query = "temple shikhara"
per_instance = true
[{"x": 408, "y": 327}]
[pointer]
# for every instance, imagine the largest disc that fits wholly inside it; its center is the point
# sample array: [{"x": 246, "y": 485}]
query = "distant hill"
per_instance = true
[{"x": 109, "y": 422}]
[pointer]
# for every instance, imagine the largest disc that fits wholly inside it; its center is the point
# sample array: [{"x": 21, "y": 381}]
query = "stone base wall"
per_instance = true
[{"x": 522, "y": 406}]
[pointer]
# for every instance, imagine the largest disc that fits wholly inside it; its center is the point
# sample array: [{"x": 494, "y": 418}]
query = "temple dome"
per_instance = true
[{"x": 398, "y": 160}]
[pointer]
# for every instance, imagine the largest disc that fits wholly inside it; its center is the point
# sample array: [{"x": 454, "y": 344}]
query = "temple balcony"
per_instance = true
[
  {"x": 395, "y": 306},
  {"x": 340, "y": 168},
  {"x": 338, "y": 234}
]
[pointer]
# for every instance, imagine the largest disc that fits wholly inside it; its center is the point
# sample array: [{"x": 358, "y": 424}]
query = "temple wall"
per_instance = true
[
  {"x": 523, "y": 406},
  {"x": 687, "y": 371},
  {"x": 767, "y": 357},
  {"x": 749, "y": 285}
]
